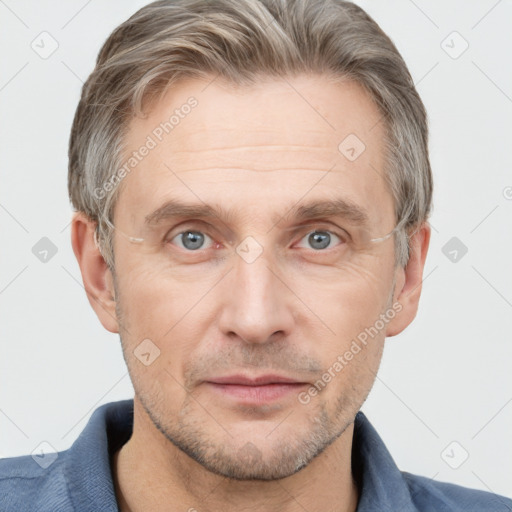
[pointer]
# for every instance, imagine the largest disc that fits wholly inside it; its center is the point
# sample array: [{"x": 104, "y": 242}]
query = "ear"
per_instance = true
[
  {"x": 97, "y": 277},
  {"x": 409, "y": 281}
]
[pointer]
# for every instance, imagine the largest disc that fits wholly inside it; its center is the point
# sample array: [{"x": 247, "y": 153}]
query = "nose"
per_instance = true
[{"x": 258, "y": 304}]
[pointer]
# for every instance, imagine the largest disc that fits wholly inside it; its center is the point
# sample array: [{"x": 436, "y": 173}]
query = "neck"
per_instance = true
[{"x": 150, "y": 473}]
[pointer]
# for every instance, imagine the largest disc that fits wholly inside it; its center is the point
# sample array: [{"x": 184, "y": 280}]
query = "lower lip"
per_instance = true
[{"x": 257, "y": 394}]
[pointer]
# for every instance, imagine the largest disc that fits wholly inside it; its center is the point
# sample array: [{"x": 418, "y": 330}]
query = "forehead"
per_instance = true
[{"x": 266, "y": 144}]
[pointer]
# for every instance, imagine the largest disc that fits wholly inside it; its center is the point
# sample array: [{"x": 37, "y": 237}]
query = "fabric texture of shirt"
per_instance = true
[{"x": 80, "y": 478}]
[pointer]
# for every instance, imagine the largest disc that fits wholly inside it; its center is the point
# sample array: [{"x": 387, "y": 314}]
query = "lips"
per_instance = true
[
  {"x": 261, "y": 380},
  {"x": 256, "y": 390}
]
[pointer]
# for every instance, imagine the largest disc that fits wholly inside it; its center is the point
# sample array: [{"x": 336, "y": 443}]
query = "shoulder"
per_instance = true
[
  {"x": 26, "y": 484},
  {"x": 431, "y": 496},
  {"x": 78, "y": 478}
]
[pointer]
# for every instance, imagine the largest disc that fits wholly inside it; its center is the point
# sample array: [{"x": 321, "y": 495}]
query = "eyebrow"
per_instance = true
[
  {"x": 339, "y": 207},
  {"x": 331, "y": 208},
  {"x": 174, "y": 209}
]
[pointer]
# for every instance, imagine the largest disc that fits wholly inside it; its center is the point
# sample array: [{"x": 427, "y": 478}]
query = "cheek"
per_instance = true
[
  {"x": 173, "y": 313},
  {"x": 158, "y": 299},
  {"x": 350, "y": 306},
  {"x": 160, "y": 319},
  {"x": 348, "y": 298}
]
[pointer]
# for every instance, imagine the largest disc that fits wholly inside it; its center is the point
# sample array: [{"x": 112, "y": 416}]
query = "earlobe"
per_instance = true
[
  {"x": 409, "y": 281},
  {"x": 96, "y": 276}
]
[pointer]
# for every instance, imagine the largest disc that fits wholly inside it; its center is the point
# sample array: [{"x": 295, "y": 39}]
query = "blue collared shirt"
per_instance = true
[{"x": 80, "y": 478}]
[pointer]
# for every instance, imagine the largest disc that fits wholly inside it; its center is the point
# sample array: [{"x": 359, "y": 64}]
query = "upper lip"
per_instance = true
[{"x": 259, "y": 380}]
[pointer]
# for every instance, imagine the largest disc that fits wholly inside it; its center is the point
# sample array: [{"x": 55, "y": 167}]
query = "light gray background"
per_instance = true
[{"x": 447, "y": 378}]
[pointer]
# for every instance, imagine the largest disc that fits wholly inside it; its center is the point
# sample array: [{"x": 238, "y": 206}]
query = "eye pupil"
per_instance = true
[
  {"x": 319, "y": 240},
  {"x": 192, "y": 239}
]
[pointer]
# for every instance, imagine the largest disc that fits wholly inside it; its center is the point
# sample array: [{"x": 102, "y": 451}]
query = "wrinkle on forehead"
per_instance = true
[
  {"x": 268, "y": 129},
  {"x": 314, "y": 113}
]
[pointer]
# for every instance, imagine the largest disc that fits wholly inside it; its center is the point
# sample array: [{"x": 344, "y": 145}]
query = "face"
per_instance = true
[{"x": 254, "y": 265}]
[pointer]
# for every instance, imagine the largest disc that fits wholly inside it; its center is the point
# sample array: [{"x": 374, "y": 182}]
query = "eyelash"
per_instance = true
[{"x": 341, "y": 235}]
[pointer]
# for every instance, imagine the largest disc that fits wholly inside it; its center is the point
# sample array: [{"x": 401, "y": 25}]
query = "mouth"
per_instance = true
[{"x": 257, "y": 390}]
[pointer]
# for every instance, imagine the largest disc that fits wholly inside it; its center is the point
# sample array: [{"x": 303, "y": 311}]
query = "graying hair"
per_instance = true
[{"x": 241, "y": 41}]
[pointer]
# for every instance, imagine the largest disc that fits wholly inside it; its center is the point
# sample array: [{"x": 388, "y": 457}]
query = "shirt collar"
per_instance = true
[
  {"x": 88, "y": 463},
  {"x": 89, "y": 475},
  {"x": 381, "y": 484}
]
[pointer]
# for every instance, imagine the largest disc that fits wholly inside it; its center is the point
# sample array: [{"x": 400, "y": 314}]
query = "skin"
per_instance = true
[{"x": 256, "y": 151}]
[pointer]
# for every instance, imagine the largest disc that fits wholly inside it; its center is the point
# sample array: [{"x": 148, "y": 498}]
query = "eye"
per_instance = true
[
  {"x": 192, "y": 240},
  {"x": 319, "y": 240}
]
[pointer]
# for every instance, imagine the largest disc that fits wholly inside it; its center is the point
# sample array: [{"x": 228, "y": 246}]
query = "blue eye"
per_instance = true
[
  {"x": 319, "y": 240},
  {"x": 191, "y": 240}
]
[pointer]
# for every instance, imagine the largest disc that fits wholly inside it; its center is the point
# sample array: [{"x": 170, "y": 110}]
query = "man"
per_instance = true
[{"x": 252, "y": 187}]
